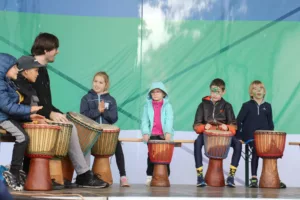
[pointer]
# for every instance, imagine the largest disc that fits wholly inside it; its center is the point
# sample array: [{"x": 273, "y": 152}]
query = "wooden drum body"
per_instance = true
[
  {"x": 160, "y": 153},
  {"x": 216, "y": 145},
  {"x": 61, "y": 150},
  {"x": 88, "y": 133},
  {"x": 41, "y": 148},
  {"x": 269, "y": 145},
  {"x": 103, "y": 149}
]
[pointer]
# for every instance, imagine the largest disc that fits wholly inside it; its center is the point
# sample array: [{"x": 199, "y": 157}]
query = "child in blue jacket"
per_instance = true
[
  {"x": 157, "y": 120},
  {"x": 11, "y": 112}
]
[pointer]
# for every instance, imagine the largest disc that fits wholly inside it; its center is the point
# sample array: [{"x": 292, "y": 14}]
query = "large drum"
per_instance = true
[
  {"x": 41, "y": 148},
  {"x": 103, "y": 149},
  {"x": 87, "y": 129},
  {"x": 61, "y": 150},
  {"x": 216, "y": 145},
  {"x": 160, "y": 154},
  {"x": 88, "y": 133},
  {"x": 269, "y": 145}
]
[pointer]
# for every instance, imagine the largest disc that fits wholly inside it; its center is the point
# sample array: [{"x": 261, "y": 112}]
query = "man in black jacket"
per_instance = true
[
  {"x": 44, "y": 50},
  {"x": 215, "y": 110}
]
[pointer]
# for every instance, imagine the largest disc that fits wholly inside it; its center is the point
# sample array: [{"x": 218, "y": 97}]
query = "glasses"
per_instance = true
[{"x": 156, "y": 91}]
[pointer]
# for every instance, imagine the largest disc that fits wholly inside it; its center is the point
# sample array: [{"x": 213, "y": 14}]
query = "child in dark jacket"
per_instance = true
[
  {"x": 255, "y": 114},
  {"x": 101, "y": 107},
  {"x": 215, "y": 108},
  {"x": 11, "y": 112}
]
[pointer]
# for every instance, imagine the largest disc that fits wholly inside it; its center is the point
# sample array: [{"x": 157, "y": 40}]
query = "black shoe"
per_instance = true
[
  {"x": 230, "y": 181},
  {"x": 90, "y": 180},
  {"x": 282, "y": 185},
  {"x": 253, "y": 183},
  {"x": 57, "y": 186},
  {"x": 68, "y": 184},
  {"x": 13, "y": 181},
  {"x": 200, "y": 181}
]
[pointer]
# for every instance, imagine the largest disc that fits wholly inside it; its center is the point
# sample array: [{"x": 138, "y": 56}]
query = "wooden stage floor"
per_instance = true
[{"x": 142, "y": 191}]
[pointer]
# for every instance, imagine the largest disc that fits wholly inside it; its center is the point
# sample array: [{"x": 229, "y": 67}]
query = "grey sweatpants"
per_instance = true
[
  {"x": 80, "y": 162},
  {"x": 21, "y": 143}
]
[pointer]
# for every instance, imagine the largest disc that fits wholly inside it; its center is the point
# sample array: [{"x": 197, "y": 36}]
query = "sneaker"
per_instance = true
[
  {"x": 230, "y": 181},
  {"x": 253, "y": 183},
  {"x": 69, "y": 184},
  {"x": 90, "y": 180},
  {"x": 22, "y": 177},
  {"x": 56, "y": 186},
  {"x": 200, "y": 181},
  {"x": 124, "y": 182},
  {"x": 148, "y": 180},
  {"x": 282, "y": 185},
  {"x": 13, "y": 181}
]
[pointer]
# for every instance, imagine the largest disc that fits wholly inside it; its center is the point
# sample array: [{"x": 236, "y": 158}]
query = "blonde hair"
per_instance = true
[
  {"x": 256, "y": 82},
  {"x": 105, "y": 77}
]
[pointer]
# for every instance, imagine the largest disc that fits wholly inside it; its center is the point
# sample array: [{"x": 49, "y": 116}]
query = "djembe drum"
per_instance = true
[
  {"x": 216, "y": 145},
  {"x": 269, "y": 145},
  {"x": 43, "y": 138},
  {"x": 103, "y": 149},
  {"x": 61, "y": 150},
  {"x": 160, "y": 154},
  {"x": 88, "y": 133}
]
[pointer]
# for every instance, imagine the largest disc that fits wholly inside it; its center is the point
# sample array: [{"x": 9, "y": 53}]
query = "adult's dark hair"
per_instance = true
[{"x": 44, "y": 42}]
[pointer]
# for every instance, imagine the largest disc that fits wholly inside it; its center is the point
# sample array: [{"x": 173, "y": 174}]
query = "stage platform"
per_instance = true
[{"x": 175, "y": 192}]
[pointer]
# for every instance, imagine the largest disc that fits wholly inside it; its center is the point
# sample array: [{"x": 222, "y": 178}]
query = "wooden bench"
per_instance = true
[
  {"x": 294, "y": 143},
  {"x": 178, "y": 143},
  {"x": 5, "y": 136}
]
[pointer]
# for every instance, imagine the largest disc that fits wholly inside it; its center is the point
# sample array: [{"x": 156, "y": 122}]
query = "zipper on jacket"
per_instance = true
[
  {"x": 258, "y": 109},
  {"x": 214, "y": 111},
  {"x": 99, "y": 99}
]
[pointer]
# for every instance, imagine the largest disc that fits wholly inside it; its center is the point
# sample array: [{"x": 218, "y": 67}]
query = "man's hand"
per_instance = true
[{"x": 58, "y": 117}]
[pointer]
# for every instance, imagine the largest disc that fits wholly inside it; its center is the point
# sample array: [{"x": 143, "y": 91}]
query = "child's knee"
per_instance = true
[{"x": 22, "y": 138}]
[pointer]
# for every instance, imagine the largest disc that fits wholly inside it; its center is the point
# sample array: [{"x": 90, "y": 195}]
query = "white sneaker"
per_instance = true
[
  {"x": 148, "y": 180},
  {"x": 124, "y": 182}
]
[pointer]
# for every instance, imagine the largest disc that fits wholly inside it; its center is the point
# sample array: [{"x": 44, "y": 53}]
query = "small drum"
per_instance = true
[
  {"x": 43, "y": 139},
  {"x": 216, "y": 145},
  {"x": 61, "y": 150},
  {"x": 103, "y": 149},
  {"x": 269, "y": 145},
  {"x": 87, "y": 129},
  {"x": 160, "y": 153}
]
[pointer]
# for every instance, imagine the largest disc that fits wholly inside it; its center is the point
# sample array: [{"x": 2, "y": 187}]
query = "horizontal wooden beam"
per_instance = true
[{"x": 294, "y": 143}]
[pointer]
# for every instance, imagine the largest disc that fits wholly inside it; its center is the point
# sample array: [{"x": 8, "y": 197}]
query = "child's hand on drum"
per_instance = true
[
  {"x": 207, "y": 126},
  {"x": 145, "y": 138},
  {"x": 101, "y": 106},
  {"x": 224, "y": 127},
  {"x": 35, "y": 108},
  {"x": 36, "y": 117},
  {"x": 168, "y": 137}
]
